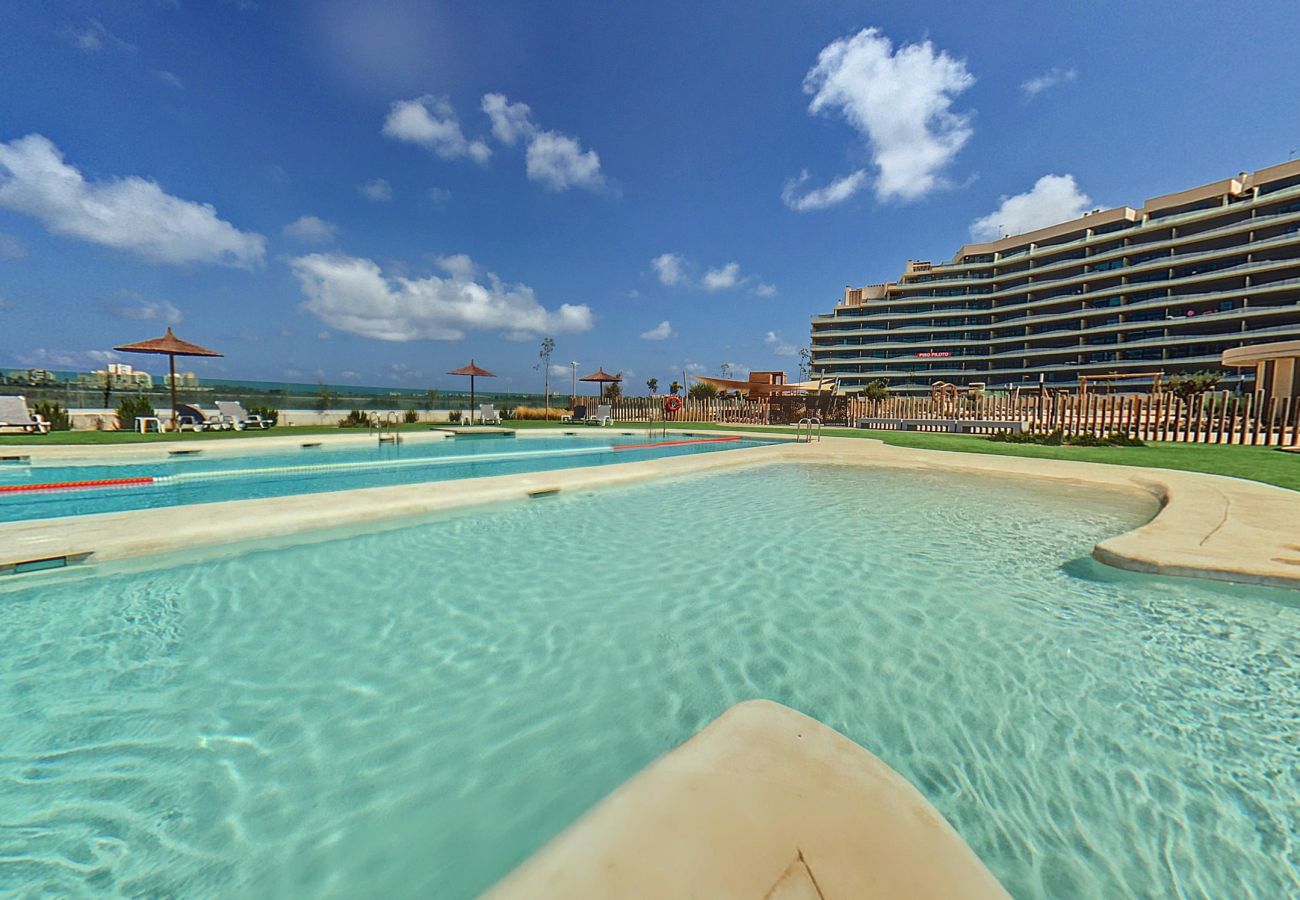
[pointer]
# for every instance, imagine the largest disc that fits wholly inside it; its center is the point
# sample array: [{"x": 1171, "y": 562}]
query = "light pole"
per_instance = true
[{"x": 573, "y": 386}]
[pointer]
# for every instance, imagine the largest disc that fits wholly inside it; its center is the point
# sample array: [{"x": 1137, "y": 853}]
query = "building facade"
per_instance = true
[{"x": 1165, "y": 288}]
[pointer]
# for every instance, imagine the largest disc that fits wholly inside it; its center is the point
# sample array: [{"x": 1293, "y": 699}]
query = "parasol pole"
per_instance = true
[{"x": 171, "y": 364}]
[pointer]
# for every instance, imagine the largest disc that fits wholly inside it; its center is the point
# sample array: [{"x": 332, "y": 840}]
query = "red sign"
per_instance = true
[{"x": 934, "y": 354}]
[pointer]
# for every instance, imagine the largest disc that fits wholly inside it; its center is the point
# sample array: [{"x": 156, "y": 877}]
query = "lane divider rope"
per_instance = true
[{"x": 76, "y": 485}]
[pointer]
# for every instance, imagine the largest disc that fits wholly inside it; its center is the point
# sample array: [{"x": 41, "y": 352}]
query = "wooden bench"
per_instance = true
[{"x": 952, "y": 426}]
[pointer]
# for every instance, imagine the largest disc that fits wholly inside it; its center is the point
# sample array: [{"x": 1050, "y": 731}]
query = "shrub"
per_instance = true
[
  {"x": 1186, "y": 386},
  {"x": 702, "y": 390},
  {"x": 55, "y": 413},
  {"x": 411, "y": 417},
  {"x": 1057, "y": 438},
  {"x": 131, "y": 408},
  {"x": 357, "y": 418},
  {"x": 267, "y": 413},
  {"x": 876, "y": 390},
  {"x": 454, "y": 416},
  {"x": 538, "y": 412}
]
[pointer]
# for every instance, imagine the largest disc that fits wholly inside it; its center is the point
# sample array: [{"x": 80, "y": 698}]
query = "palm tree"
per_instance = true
[
  {"x": 675, "y": 388},
  {"x": 548, "y": 346},
  {"x": 652, "y": 384}
]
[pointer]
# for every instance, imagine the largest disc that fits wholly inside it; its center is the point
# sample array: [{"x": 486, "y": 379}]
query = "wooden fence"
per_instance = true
[{"x": 1211, "y": 418}]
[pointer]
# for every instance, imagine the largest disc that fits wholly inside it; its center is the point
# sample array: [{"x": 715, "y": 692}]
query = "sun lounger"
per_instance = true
[
  {"x": 604, "y": 416},
  {"x": 14, "y": 414},
  {"x": 234, "y": 412},
  {"x": 487, "y": 414},
  {"x": 190, "y": 417},
  {"x": 579, "y": 414}
]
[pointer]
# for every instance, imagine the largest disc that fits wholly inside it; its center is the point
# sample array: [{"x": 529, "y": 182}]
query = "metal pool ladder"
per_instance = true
[
  {"x": 808, "y": 423},
  {"x": 388, "y": 429}
]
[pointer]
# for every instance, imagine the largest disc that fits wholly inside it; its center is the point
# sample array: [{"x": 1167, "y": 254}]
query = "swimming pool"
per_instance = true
[
  {"x": 46, "y": 491},
  {"x": 410, "y": 713}
]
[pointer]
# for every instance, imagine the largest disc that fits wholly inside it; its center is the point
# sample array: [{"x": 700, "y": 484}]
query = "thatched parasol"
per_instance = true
[
  {"x": 601, "y": 377},
  {"x": 473, "y": 371},
  {"x": 172, "y": 346}
]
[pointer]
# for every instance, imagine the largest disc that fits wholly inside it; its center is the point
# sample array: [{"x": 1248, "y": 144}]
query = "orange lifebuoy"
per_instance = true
[{"x": 672, "y": 403}]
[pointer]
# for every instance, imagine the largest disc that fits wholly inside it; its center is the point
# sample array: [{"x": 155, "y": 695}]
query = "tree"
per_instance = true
[
  {"x": 652, "y": 384},
  {"x": 675, "y": 388},
  {"x": 702, "y": 390},
  {"x": 805, "y": 364},
  {"x": 430, "y": 400},
  {"x": 324, "y": 397},
  {"x": 725, "y": 369},
  {"x": 614, "y": 391},
  {"x": 1187, "y": 385},
  {"x": 548, "y": 347},
  {"x": 876, "y": 390}
]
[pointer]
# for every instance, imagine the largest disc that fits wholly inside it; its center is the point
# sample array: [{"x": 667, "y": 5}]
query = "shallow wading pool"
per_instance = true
[{"x": 412, "y": 712}]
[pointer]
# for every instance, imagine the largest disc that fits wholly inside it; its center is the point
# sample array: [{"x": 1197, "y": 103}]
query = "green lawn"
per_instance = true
[{"x": 1264, "y": 464}]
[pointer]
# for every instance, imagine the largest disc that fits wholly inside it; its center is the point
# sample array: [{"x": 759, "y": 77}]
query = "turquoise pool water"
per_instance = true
[
  {"x": 410, "y": 713},
  {"x": 213, "y": 477}
]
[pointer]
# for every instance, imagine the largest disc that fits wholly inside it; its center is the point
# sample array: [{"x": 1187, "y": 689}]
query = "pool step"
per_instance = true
[{"x": 43, "y": 563}]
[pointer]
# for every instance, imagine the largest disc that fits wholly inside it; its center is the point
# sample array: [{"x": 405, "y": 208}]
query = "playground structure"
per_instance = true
[{"x": 945, "y": 395}]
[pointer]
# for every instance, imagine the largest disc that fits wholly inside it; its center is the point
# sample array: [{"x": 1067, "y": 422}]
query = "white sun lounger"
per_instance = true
[
  {"x": 234, "y": 412},
  {"x": 14, "y": 414},
  {"x": 487, "y": 413}
]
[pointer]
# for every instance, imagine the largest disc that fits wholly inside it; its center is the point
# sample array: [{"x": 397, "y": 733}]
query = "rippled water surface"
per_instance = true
[{"x": 410, "y": 713}]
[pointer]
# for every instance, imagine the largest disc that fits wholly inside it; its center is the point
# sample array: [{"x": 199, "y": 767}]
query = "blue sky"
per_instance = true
[{"x": 375, "y": 192}]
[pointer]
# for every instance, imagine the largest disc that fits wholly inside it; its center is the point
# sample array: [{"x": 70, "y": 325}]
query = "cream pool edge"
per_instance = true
[
  {"x": 762, "y": 803},
  {"x": 1208, "y": 526}
]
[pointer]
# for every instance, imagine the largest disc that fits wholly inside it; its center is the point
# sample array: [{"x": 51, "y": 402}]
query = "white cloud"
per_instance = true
[
  {"x": 558, "y": 162},
  {"x": 510, "y": 121},
  {"x": 555, "y": 161},
  {"x": 721, "y": 279},
  {"x": 133, "y": 307},
  {"x": 170, "y": 78},
  {"x": 352, "y": 294},
  {"x": 311, "y": 230},
  {"x": 1053, "y": 198},
  {"x": 1049, "y": 79},
  {"x": 837, "y": 191},
  {"x": 779, "y": 345},
  {"x": 11, "y": 247},
  {"x": 3, "y": 303},
  {"x": 43, "y": 357},
  {"x": 132, "y": 214},
  {"x": 900, "y": 101},
  {"x": 376, "y": 189},
  {"x": 765, "y": 290},
  {"x": 430, "y": 122},
  {"x": 439, "y": 197},
  {"x": 557, "y": 370},
  {"x": 93, "y": 36},
  {"x": 671, "y": 269},
  {"x": 661, "y": 332}
]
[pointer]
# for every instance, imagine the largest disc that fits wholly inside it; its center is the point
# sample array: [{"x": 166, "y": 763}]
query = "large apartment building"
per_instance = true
[{"x": 1165, "y": 288}]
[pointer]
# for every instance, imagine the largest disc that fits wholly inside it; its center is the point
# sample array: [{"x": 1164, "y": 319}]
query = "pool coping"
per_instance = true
[
  {"x": 764, "y": 802},
  {"x": 1208, "y": 526}
]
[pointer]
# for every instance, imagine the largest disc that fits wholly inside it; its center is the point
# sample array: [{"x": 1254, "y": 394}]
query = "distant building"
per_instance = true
[
  {"x": 183, "y": 380},
  {"x": 119, "y": 376},
  {"x": 31, "y": 376},
  {"x": 1165, "y": 288}
]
